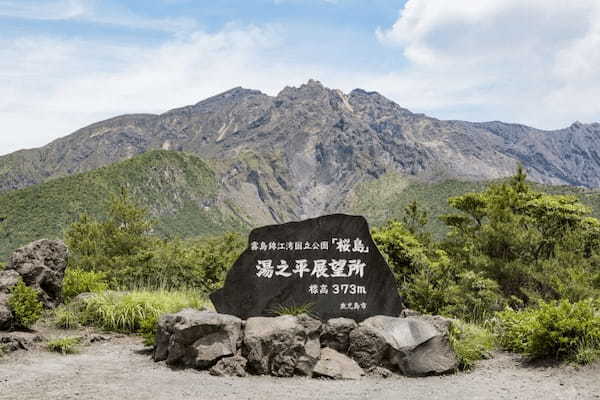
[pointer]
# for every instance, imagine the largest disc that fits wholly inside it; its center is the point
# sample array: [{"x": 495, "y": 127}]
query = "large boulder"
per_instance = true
[
  {"x": 336, "y": 333},
  {"x": 197, "y": 339},
  {"x": 42, "y": 265},
  {"x": 8, "y": 279},
  {"x": 414, "y": 345},
  {"x": 282, "y": 346},
  {"x": 335, "y": 365},
  {"x": 6, "y": 316}
]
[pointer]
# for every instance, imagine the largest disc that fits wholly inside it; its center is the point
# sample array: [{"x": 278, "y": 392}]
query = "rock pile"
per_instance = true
[
  {"x": 41, "y": 265},
  {"x": 300, "y": 345}
]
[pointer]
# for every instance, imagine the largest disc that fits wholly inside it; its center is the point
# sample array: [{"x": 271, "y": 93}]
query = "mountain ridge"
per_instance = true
[{"x": 324, "y": 143}]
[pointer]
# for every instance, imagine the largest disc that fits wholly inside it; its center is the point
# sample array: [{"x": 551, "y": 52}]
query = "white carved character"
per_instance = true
[{"x": 264, "y": 269}]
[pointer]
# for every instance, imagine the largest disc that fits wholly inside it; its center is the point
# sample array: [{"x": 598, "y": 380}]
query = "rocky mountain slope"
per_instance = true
[
  {"x": 301, "y": 153},
  {"x": 189, "y": 197}
]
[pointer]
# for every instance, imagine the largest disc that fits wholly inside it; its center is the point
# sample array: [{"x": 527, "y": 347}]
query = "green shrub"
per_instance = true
[
  {"x": 471, "y": 343},
  {"x": 78, "y": 281},
  {"x": 137, "y": 311},
  {"x": 25, "y": 306},
  {"x": 65, "y": 345},
  {"x": 559, "y": 330},
  {"x": 66, "y": 317}
]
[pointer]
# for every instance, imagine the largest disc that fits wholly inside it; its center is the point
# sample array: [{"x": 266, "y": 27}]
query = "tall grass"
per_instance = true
[{"x": 130, "y": 311}]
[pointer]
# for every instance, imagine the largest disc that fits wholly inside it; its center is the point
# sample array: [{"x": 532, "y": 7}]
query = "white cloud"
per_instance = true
[
  {"x": 531, "y": 61},
  {"x": 45, "y": 10},
  {"x": 55, "y": 86}
]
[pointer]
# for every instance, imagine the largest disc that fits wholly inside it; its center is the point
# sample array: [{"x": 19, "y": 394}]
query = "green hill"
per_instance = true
[
  {"x": 189, "y": 197},
  {"x": 179, "y": 190}
]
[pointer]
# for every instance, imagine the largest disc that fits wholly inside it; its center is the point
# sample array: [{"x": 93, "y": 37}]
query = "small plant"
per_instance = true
[
  {"x": 66, "y": 317},
  {"x": 65, "y": 345},
  {"x": 559, "y": 330},
  {"x": 471, "y": 343},
  {"x": 137, "y": 311},
  {"x": 78, "y": 281},
  {"x": 2, "y": 350},
  {"x": 25, "y": 306},
  {"x": 294, "y": 309}
]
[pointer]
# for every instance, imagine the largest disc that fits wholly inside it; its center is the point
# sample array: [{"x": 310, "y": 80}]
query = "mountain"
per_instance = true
[
  {"x": 186, "y": 197},
  {"x": 303, "y": 152}
]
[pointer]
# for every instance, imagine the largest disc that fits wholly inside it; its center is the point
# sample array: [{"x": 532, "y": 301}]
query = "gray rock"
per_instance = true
[
  {"x": 335, "y": 365},
  {"x": 8, "y": 279},
  {"x": 42, "y": 265},
  {"x": 407, "y": 312},
  {"x": 230, "y": 366},
  {"x": 196, "y": 339},
  {"x": 6, "y": 316},
  {"x": 336, "y": 333},
  {"x": 412, "y": 345},
  {"x": 380, "y": 372},
  {"x": 282, "y": 346}
]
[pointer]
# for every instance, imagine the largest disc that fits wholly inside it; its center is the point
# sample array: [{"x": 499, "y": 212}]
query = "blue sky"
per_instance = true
[{"x": 68, "y": 63}]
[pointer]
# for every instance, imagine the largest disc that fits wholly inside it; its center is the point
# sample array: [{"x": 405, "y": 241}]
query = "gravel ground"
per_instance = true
[{"x": 120, "y": 369}]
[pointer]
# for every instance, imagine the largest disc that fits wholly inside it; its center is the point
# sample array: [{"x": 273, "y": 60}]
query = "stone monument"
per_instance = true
[{"x": 329, "y": 265}]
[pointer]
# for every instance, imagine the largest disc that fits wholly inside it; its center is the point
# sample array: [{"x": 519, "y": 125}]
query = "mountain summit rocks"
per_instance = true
[
  {"x": 300, "y": 153},
  {"x": 328, "y": 265}
]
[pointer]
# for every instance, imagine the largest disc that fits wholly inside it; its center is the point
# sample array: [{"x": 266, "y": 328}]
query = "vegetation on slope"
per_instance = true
[{"x": 179, "y": 190}]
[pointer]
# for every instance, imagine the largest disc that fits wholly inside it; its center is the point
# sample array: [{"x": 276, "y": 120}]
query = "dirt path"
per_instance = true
[{"x": 120, "y": 370}]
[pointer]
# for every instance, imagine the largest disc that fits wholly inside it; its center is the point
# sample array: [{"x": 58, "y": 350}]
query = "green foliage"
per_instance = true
[
  {"x": 470, "y": 343},
  {"x": 66, "y": 317},
  {"x": 173, "y": 185},
  {"x": 122, "y": 249},
  {"x": 535, "y": 246},
  {"x": 430, "y": 281},
  {"x": 136, "y": 311},
  {"x": 294, "y": 309},
  {"x": 2, "y": 266},
  {"x": 199, "y": 263},
  {"x": 25, "y": 305},
  {"x": 559, "y": 330},
  {"x": 77, "y": 281},
  {"x": 65, "y": 345}
]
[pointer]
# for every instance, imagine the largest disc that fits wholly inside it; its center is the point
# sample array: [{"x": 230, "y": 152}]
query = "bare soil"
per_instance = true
[{"x": 121, "y": 368}]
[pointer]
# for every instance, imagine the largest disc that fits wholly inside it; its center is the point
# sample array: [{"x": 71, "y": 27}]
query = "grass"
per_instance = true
[
  {"x": 471, "y": 343},
  {"x": 294, "y": 309},
  {"x": 136, "y": 311},
  {"x": 65, "y": 345}
]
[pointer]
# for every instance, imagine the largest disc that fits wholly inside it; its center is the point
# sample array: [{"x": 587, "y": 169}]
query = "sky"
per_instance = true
[{"x": 67, "y": 63}]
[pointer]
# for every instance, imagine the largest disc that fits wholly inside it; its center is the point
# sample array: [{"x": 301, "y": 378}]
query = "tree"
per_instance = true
[{"x": 515, "y": 236}]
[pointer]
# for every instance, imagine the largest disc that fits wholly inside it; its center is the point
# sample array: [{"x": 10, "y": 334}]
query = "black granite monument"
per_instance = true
[{"x": 330, "y": 263}]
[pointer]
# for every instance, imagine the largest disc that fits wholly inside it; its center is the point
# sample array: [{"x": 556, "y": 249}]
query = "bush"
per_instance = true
[
  {"x": 25, "y": 306},
  {"x": 136, "y": 311},
  {"x": 471, "y": 343},
  {"x": 559, "y": 330},
  {"x": 78, "y": 281},
  {"x": 66, "y": 317},
  {"x": 66, "y": 345}
]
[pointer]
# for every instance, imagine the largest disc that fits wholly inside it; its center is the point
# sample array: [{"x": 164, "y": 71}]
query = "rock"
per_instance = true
[
  {"x": 335, "y": 333},
  {"x": 14, "y": 341},
  {"x": 41, "y": 265},
  {"x": 8, "y": 279},
  {"x": 380, "y": 372},
  {"x": 6, "y": 316},
  {"x": 407, "y": 312},
  {"x": 230, "y": 366},
  {"x": 368, "y": 347},
  {"x": 335, "y": 365},
  {"x": 329, "y": 262},
  {"x": 282, "y": 346},
  {"x": 412, "y": 345},
  {"x": 196, "y": 339}
]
